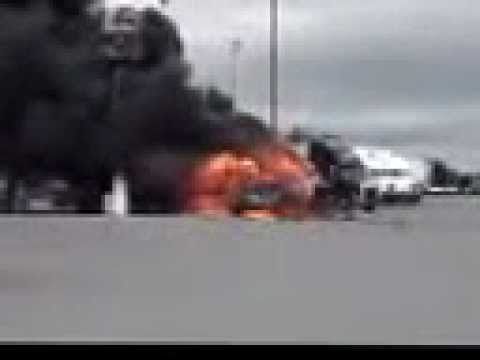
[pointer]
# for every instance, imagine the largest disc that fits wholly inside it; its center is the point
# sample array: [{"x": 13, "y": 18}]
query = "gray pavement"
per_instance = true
[{"x": 402, "y": 276}]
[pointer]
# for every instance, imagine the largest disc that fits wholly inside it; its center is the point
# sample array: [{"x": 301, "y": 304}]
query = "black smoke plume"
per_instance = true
[{"x": 66, "y": 111}]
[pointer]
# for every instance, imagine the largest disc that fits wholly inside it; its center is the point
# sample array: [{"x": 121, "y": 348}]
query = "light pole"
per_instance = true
[
  {"x": 236, "y": 47},
  {"x": 274, "y": 65}
]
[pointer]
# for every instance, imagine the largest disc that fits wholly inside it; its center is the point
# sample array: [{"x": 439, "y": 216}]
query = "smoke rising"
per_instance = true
[{"x": 68, "y": 112}]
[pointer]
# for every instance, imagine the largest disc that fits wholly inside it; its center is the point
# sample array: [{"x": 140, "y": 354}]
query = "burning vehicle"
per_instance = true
[{"x": 267, "y": 181}]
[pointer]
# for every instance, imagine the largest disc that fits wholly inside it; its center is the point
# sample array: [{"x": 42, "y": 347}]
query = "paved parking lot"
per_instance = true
[{"x": 404, "y": 275}]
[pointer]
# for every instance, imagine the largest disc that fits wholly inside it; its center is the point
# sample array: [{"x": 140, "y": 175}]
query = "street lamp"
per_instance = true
[
  {"x": 274, "y": 65},
  {"x": 236, "y": 47}
]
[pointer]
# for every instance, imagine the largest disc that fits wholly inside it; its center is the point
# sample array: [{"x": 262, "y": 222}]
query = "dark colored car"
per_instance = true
[
  {"x": 259, "y": 196},
  {"x": 273, "y": 196}
]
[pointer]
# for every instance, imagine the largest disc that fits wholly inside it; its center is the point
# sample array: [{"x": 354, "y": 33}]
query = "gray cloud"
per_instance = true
[{"x": 402, "y": 73}]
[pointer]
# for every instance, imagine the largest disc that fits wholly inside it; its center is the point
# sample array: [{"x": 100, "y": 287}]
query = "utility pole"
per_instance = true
[
  {"x": 274, "y": 65},
  {"x": 236, "y": 47}
]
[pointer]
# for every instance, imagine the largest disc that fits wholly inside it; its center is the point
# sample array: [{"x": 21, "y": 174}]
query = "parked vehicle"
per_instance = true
[{"x": 391, "y": 177}]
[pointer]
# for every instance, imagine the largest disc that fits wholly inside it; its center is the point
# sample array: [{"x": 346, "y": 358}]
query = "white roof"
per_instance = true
[
  {"x": 137, "y": 4},
  {"x": 380, "y": 158}
]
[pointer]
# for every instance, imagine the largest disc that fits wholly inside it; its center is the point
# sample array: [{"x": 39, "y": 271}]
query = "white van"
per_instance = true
[{"x": 393, "y": 177}]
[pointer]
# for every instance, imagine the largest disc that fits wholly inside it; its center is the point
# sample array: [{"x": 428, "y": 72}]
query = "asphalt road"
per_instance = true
[{"x": 402, "y": 276}]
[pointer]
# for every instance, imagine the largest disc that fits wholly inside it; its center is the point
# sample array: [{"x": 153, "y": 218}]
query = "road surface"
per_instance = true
[{"x": 402, "y": 276}]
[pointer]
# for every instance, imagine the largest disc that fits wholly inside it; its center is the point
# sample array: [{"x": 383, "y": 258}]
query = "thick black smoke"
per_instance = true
[
  {"x": 54, "y": 93},
  {"x": 66, "y": 111}
]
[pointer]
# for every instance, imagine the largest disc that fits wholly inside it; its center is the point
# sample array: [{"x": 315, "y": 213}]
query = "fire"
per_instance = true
[
  {"x": 214, "y": 180},
  {"x": 217, "y": 182},
  {"x": 258, "y": 214}
]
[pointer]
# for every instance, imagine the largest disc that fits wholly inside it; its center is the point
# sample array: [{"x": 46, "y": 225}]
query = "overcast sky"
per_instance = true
[{"x": 398, "y": 73}]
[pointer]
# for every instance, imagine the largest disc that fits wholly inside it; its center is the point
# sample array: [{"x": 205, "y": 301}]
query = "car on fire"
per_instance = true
[
  {"x": 273, "y": 198},
  {"x": 259, "y": 196}
]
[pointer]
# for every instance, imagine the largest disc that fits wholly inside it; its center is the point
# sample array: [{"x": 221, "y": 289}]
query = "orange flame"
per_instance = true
[{"x": 216, "y": 181}]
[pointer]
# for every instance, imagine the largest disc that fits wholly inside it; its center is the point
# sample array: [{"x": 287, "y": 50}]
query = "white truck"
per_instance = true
[{"x": 390, "y": 176}]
